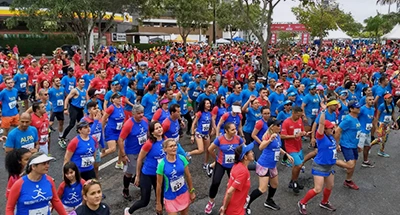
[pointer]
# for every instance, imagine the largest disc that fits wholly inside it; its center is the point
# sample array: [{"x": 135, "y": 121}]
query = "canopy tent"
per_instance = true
[
  {"x": 179, "y": 39},
  {"x": 394, "y": 34},
  {"x": 337, "y": 34},
  {"x": 238, "y": 39},
  {"x": 222, "y": 41}
]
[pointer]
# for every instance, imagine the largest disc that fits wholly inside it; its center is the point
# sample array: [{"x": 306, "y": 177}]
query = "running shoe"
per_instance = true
[
  {"x": 188, "y": 157},
  {"x": 126, "y": 195},
  {"x": 295, "y": 187},
  {"x": 367, "y": 164},
  {"x": 209, "y": 207},
  {"x": 383, "y": 154},
  {"x": 248, "y": 211},
  {"x": 299, "y": 185},
  {"x": 62, "y": 143},
  {"x": 269, "y": 203},
  {"x": 286, "y": 163},
  {"x": 351, "y": 185},
  {"x": 327, "y": 206},
  {"x": 119, "y": 165},
  {"x": 209, "y": 170},
  {"x": 302, "y": 208},
  {"x": 303, "y": 168},
  {"x": 205, "y": 166},
  {"x": 126, "y": 211}
]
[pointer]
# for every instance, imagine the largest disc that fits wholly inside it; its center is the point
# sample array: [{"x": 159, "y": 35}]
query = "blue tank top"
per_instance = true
[
  {"x": 79, "y": 101},
  {"x": 83, "y": 155},
  {"x": 183, "y": 103},
  {"x": 153, "y": 157},
  {"x": 204, "y": 123},
  {"x": 344, "y": 110},
  {"x": 327, "y": 154},
  {"x": 137, "y": 137},
  {"x": 270, "y": 155},
  {"x": 262, "y": 131},
  {"x": 72, "y": 195},
  {"x": 221, "y": 111},
  {"x": 116, "y": 119},
  {"x": 174, "y": 176},
  {"x": 173, "y": 131}
]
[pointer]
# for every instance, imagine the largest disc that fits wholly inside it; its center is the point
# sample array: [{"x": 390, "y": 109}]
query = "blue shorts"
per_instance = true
[
  {"x": 111, "y": 134},
  {"x": 322, "y": 170},
  {"x": 310, "y": 120},
  {"x": 349, "y": 154},
  {"x": 297, "y": 157}
]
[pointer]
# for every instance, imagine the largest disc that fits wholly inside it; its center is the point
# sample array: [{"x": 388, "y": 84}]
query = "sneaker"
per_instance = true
[
  {"x": 286, "y": 163},
  {"x": 367, "y": 164},
  {"x": 248, "y": 211},
  {"x": 119, "y": 165},
  {"x": 303, "y": 168},
  {"x": 126, "y": 211},
  {"x": 295, "y": 187},
  {"x": 351, "y": 185},
  {"x": 209, "y": 170},
  {"x": 205, "y": 166},
  {"x": 126, "y": 195},
  {"x": 302, "y": 208},
  {"x": 327, "y": 206},
  {"x": 383, "y": 154},
  {"x": 300, "y": 186},
  {"x": 271, "y": 205},
  {"x": 62, "y": 143},
  {"x": 188, "y": 157},
  {"x": 209, "y": 207}
]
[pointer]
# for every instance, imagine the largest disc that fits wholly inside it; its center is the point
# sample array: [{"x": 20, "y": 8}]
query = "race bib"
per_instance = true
[
  {"x": 87, "y": 161},
  {"x": 276, "y": 155},
  {"x": 83, "y": 102},
  {"x": 28, "y": 146},
  {"x": 119, "y": 125},
  {"x": 334, "y": 154},
  {"x": 314, "y": 111},
  {"x": 229, "y": 159},
  {"x": 177, "y": 184},
  {"x": 387, "y": 119},
  {"x": 153, "y": 109},
  {"x": 70, "y": 87},
  {"x": 34, "y": 81},
  {"x": 12, "y": 104},
  {"x": 60, "y": 102},
  {"x": 195, "y": 94},
  {"x": 39, "y": 211},
  {"x": 358, "y": 135},
  {"x": 97, "y": 136},
  {"x": 397, "y": 93},
  {"x": 296, "y": 131},
  {"x": 103, "y": 91},
  {"x": 205, "y": 127},
  {"x": 142, "y": 139},
  {"x": 44, "y": 138},
  {"x": 162, "y": 85},
  {"x": 60, "y": 72},
  {"x": 22, "y": 85},
  {"x": 184, "y": 106},
  {"x": 242, "y": 75},
  {"x": 368, "y": 126},
  {"x": 176, "y": 139}
]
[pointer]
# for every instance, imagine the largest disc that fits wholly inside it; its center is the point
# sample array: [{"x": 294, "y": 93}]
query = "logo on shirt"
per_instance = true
[
  {"x": 231, "y": 148},
  {"x": 89, "y": 150}
]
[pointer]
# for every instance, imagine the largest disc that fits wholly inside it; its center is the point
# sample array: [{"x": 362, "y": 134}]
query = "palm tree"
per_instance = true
[{"x": 387, "y": 2}]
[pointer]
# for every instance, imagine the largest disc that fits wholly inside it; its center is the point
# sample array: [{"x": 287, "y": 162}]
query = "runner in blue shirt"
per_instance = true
[
  {"x": 56, "y": 97},
  {"x": 23, "y": 136},
  {"x": 366, "y": 118},
  {"x": 286, "y": 112},
  {"x": 69, "y": 81},
  {"x": 208, "y": 93},
  {"x": 223, "y": 89},
  {"x": 310, "y": 106},
  {"x": 21, "y": 84},
  {"x": 149, "y": 102},
  {"x": 235, "y": 96},
  {"x": 276, "y": 98},
  {"x": 89, "y": 77},
  {"x": 253, "y": 114}
]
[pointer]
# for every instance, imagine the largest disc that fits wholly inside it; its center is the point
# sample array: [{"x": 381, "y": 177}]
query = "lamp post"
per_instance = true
[{"x": 214, "y": 27}]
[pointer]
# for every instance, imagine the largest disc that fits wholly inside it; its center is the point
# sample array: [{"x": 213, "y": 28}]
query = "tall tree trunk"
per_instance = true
[{"x": 264, "y": 58}]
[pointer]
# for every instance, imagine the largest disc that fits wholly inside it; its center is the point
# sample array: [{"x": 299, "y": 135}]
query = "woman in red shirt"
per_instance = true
[{"x": 239, "y": 182}]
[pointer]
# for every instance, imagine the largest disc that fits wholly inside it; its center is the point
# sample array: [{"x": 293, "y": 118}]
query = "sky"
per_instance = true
[{"x": 360, "y": 9}]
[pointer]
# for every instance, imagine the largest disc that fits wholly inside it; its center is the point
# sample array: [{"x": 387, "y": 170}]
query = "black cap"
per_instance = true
[
  {"x": 273, "y": 121},
  {"x": 82, "y": 124}
]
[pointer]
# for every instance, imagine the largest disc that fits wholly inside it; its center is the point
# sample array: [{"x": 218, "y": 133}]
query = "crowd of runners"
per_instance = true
[{"x": 140, "y": 104}]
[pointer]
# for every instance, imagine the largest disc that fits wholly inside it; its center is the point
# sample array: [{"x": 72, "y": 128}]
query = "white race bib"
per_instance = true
[
  {"x": 195, "y": 94},
  {"x": 60, "y": 72},
  {"x": 44, "y": 138},
  {"x": 12, "y": 104},
  {"x": 176, "y": 139},
  {"x": 83, "y": 102},
  {"x": 334, "y": 154},
  {"x": 229, "y": 159},
  {"x": 70, "y": 87},
  {"x": 103, "y": 91},
  {"x": 296, "y": 131},
  {"x": 387, "y": 119},
  {"x": 397, "y": 93},
  {"x": 39, "y": 211},
  {"x": 34, "y": 81},
  {"x": 276, "y": 155},
  {"x": 162, "y": 85},
  {"x": 358, "y": 135},
  {"x": 142, "y": 139},
  {"x": 368, "y": 126},
  {"x": 87, "y": 161},
  {"x": 205, "y": 127},
  {"x": 153, "y": 109},
  {"x": 314, "y": 111},
  {"x": 22, "y": 85},
  {"x": 184, "y": 106},
  {"x": 28, "y": 146},
  {"x": 60, "y": 102},
  {"x": 177, "y": 184},
  {"x": 119, "y": 126}
]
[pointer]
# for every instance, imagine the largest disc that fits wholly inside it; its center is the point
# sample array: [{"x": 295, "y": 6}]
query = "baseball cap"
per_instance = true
[
  {"x": 70, "y": 69},
  {"x": 387, "y": 95},
  {"x": 312, "y": 72},
  {"x": 312, "y": 86},
  {"x": 115, "y": 83},
  {"x": 273, "y": 121},
  {"x": 354, "y": 104},
  {"x": 82, "y": 124},
  {"x": 333, "y": 102},
  {"x": 197, "y": 76},
  {"x": 329, "y": 124},
  {"x": 245, "y": 149},
  {"x": 33, "y": 60},
  {"x": 21, "y": 66},
  {"x": 291, "y": 94},
  {"x": 320, "y": 87},
  {"x": 164, "y": 101},
  {"x": 343, "y": 92},
  {"x": 287, "y": 102},
  {"x": 41, "y": 159},
  {"x": 183, "y": 84},
  {"x": 278, "y": 85}
]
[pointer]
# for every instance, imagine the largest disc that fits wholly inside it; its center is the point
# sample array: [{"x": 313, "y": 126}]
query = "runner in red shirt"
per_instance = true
[
  {"x": 43, "y": 60},
  {"x": 40, "y": 121},
  {"x": 100, "y": 83},
  {"x": 7, "y": 69}
]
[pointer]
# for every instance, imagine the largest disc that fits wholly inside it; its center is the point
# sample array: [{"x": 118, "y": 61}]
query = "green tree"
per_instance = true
[
  {"x": 347, "y": 23},
  {"x": 190, "y": 15},
  {"x": 376, "y": 25}
]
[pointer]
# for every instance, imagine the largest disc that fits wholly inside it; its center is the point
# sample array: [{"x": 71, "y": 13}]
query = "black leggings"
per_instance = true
[
  {"x": 88, "y": 175},
  {"x": 75, "y": 115},
  {"x": 146, "y": 181},
  {"x": 219, "y": 171},
  {"x": 248, "y": 138},
  {"x": 189, "y": 122}
]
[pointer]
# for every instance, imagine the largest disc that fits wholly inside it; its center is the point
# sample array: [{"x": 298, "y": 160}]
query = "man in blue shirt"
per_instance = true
[
  {"x": 56, "y": 97},
  {"x": 69, "y": 81},
  {"x": 249, "y": 92},
  {"x": 347, "y": 136},
  {"x": 223, "y": 89},
  {"x": 208, "y": 93},
  {"x": 9, "y": 110},
  {"x": 310, "y": 106},
  {"x": 236, "y": 96},
  {"x": 23, "y": 136},
  {"x": 89, "y": 77},
  {"x": 149, "y": 101},
  {"x": 366, "y": 118},
  {"x": 276, "y": 99},
  {"x": 21, "y": 84}
]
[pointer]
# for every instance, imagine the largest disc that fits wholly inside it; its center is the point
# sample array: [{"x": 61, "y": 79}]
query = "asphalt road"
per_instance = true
[{"x": 378, "y": 192}]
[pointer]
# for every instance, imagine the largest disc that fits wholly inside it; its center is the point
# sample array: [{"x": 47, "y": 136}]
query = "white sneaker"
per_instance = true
[
  {"x": 119, "y": 165},
  {"x": 126, "y": 211}
]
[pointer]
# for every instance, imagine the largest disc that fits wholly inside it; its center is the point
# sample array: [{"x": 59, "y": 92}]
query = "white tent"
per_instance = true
[
  {"x": 337, "y": 34},
  {"x": 394, "y": 34},
  {"x": 222, "y": 41}
]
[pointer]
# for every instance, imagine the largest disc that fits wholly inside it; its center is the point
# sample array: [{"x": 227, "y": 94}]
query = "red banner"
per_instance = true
[
  {"x": 305, "y": 37},
  {"x": 288, "y": 27}
]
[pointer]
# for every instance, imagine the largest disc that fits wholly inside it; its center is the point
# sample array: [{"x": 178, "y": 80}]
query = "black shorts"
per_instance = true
[
  {"x": 59, "y": 115},
  {"x": 140, "y": 92},
  {"x": 23, "y": 95}
]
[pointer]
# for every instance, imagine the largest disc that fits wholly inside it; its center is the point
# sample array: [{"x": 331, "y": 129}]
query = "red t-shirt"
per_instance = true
[
  {"x": 42, "y": 126},
  {"x": 289, "y": 127},
  {"x": 240, "y": 180},
  {"x": 101, "y": 85}
]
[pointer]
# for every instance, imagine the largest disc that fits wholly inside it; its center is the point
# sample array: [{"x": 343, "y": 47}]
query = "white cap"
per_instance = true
[
  {"x": 236, "y": 109},
  {"x": 41, "y": 159},
  {"x": 278, "y": 85}
]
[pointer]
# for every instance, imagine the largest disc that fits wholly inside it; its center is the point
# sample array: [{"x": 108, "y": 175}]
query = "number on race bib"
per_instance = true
[
  {"x": 83, "y": 102},
  {"x": 276, "y": 155},
  {"x": 119, "y": 125},
  {"x": 296, "y": 131},
  {"x": 60, "y": 72},
  {"x": 97, "y": 136},
  {"x": 205, "y": 127},
  {"x": 153, "y": 109},
  {"x": 162, "y": 85},
  {"x": 358, "y": 135},
  {"x": 12, "y": 104},
  {"x": 87, "y": 161},
  {"x": 229, "y": 159},
  {"x": 314, "y": 111},
  {"x": 184, "y": 106},
  {"x": 368, "y": 126},
  {"x": 60, "y": 102},
  {"x": 177, "y": 184},
  {"x": 28, "y": 146},
  {"x": 70, "y": 87},
  {"x": 44, "y": 138},
  {"x": 103, "y": 91},
  {"x": 195, "y": 94},
  {"x": 39, "y": 211},
  {"x": 22, "y": 85},
  {"x": 387, "y": 119},
  {"x": 142, "y": 139}
]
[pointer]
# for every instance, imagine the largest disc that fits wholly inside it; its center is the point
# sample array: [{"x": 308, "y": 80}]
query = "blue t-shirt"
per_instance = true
[
  {"x": 150, "y": 104},
  {"x": 385, "y": 113},
  {"x": 327, "y": 153},
  {"x": 21, "y": 82},
  {"x": 232, "y": 98},
  {"x": 9, "y": 100},
  {"x": 88, "y": 78},
  {"x": 72, "y": 195},
  {"x": 204, "y": 122},
  {"x": 183, "y": 103},
  {"x": 153, "y": 155},
  {"x": 311, "y": 107},
  {"x": 56, "y": 97},
  {"x": 131, "y": 96},
  {"x": 282, "y": 115},
  {"x": 223, "y": 90},
  {"x": 194, "y": 91},
  {"x": 83, "y": 156},
  {"x": 351, "y": 129},
  {"x": 343, "y": 111},
  {"x": 366, "y": 116},
  {"x": 203, "y": 96},
  {"x": 140, "y": 76},
  {"x": 276, "y": 100},
  {"x": 226, "y": 150},
  {"x": 68, "y": 83},
  {"x": 246, "y": 95},
  {"x": 124, "y": 82},
  {"x": 270, "y": 155},
  {"x": 251, "y": 118},
  {"x": 174, "y": 176},
  {"x": 136, "y": 137},
  {"x": 17, "y": 139}
]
